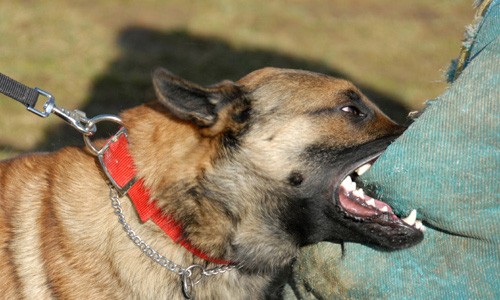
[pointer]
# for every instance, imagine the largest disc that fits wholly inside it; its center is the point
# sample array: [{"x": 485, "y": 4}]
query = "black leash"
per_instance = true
[
  {"x": 24, "y": 94},
  {"x": 29, "y": 97}
]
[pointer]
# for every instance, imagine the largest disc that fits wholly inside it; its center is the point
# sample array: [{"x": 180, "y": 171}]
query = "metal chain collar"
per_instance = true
[{"x": 186, "y": 274}]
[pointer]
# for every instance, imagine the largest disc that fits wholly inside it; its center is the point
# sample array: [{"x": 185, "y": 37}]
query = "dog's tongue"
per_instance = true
[{"x": 357, "y": 203}]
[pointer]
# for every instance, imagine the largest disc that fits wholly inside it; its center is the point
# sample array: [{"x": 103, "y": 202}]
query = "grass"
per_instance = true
[{"x": 98, "y": 57}]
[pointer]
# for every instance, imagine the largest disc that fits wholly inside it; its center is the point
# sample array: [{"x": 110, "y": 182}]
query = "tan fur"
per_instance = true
[{"x": 60, "y": 239}]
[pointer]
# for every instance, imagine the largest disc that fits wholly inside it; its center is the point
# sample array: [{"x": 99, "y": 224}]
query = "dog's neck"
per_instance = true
[
  {"x": 171, "y": 168},
  {"x": 205, "y": 197}
]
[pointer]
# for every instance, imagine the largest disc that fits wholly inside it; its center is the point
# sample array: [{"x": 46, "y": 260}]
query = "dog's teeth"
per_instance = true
[
  {"x": 352, "y": 186},
  {"x": 384, "y": 209},
  {"x": 371, "y": 202},
  {"x": 347, "y": 181},
  {"x": 348, "y": 184},
  {"x": 359, "y": 193},
  {"x": 361, "y": 170},
  {"x": 412, "y": 217},
  {"x": 419, "y": 225}
]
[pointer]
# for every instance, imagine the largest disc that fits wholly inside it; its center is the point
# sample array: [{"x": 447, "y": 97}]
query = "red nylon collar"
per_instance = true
[{"x": 119, "y": 167}]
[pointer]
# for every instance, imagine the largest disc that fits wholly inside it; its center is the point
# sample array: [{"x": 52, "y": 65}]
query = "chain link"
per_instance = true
[{"x": 185, "y": 273}]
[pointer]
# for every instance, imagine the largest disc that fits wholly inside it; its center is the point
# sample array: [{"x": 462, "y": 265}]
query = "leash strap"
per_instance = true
[
  {"x": 29, "y": 96},
  {"x": 18, "y": 91}
]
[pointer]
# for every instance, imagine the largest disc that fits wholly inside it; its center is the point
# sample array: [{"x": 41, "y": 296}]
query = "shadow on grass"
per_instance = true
[{"x": 127, "y": 81}]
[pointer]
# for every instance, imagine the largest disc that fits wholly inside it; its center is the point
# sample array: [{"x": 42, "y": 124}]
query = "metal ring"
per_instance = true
[
  {"x": 200, "y": 276},
  {"x": 187, "y": 285},
  {"x": 91, "y": 123}
]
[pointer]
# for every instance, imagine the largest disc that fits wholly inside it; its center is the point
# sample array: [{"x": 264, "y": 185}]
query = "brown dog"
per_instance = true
[{"x": 246, "y": 172}]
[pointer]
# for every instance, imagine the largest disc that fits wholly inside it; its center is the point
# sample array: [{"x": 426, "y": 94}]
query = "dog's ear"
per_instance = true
[{"x": 191, "y": 102}]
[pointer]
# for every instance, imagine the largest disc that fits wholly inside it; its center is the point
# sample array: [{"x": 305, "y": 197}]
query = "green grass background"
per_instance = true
[{"x": 98, "y": 55}]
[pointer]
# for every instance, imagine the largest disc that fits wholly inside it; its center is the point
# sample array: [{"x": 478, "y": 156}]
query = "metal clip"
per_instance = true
[
  {"x": 76, "y": 118},
  {"x": 47, "y": 107}
]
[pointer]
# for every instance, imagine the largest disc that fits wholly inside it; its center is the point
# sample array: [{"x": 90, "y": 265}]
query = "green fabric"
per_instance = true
[{"x": 447, "y": 166}]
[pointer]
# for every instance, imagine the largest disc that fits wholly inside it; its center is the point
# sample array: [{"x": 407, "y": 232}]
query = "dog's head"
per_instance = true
[{"x": 288, "y": 144}]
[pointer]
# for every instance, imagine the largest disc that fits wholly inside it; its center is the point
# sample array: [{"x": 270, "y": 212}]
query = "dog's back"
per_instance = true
[
  {"x": 42, "y": 255},
  {"x": 19, "y": 209}
]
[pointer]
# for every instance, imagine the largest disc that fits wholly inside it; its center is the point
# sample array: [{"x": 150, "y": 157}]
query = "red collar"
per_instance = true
[{"x": 119, "y": 166}]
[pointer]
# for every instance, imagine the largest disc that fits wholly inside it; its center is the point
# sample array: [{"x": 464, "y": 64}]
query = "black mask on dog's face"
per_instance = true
[{"x": 340, "y": 211}]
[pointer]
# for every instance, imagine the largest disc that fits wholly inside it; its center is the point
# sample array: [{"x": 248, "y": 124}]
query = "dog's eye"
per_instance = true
[{"x": 353, "y": 110}]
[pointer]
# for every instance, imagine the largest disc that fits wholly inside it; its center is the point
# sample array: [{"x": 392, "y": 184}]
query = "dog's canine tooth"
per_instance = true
[
  {"x": 412, "y": 217},
  {"x": 361, "y": 170},
  {"x": 384, "y": 209}
]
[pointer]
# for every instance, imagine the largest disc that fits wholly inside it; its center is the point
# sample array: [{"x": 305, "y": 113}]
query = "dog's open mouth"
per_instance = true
[{"x": 359, "y": 206}]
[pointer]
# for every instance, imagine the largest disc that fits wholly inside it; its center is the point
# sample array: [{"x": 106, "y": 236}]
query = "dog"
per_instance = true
[{"x": 247, "y": 172}]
